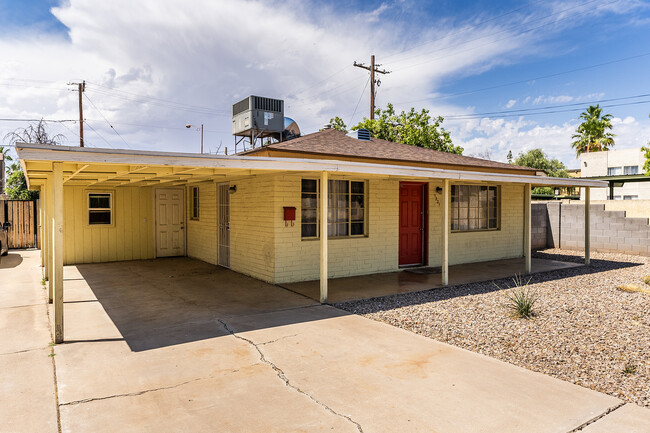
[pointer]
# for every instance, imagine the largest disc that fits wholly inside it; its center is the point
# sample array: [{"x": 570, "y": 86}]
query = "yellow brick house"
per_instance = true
[{"x": 384, "y": 205}]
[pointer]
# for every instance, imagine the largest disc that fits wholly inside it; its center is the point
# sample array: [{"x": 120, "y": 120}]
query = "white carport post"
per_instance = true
[
  {"x": 57, "y": 249},
  {"x": 323, "y": 237},
  {"x": 47, "y": 239},
  {"x": 587, "y": 241},
  {"x": 444, "y": 247},
  {"x": 527, "y": 223}
]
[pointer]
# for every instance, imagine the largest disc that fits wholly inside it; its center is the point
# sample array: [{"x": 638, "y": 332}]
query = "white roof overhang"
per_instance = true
[{"x": 117, "y": 167}]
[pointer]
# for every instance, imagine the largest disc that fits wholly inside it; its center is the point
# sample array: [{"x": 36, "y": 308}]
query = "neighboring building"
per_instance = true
[{"x": 623, "y": 169}]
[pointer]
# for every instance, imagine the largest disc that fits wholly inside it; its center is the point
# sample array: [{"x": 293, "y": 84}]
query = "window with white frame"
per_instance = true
[
  {"x": 346, "y": 216},
  {"x": 613, "y": 171},
  {"x": 631, "y": 169},
  {"x": 474, "y": 207},
  {"x": 100, "y": 208},
  {"x": 195, "y": 203}
]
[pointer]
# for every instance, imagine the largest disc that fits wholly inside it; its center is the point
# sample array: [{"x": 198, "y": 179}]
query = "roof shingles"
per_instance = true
[{"x": 338, "y": 144}]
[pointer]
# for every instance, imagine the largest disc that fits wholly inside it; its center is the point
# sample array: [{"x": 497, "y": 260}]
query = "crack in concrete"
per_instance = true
[
  {"x": 277, "y": 339},
  {"x": 596, "y": 418},
  {"x": 129, "y": 394},
  {"x": 284, "y": 377},
  {"x": 23, "y": 351}
]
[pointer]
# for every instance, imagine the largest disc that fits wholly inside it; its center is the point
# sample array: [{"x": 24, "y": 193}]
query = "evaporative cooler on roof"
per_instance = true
[{"x": 258, "y": 116}]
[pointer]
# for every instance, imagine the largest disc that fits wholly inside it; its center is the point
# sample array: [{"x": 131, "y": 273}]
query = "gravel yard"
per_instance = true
[{"x": 585, "y": 330}]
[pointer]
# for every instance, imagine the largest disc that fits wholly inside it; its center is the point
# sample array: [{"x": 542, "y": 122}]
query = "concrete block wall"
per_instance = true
[
  {"x": 299, "y": 260},
  {"x": 539, "y": 226},
  {"x": 611, "y": 231}
]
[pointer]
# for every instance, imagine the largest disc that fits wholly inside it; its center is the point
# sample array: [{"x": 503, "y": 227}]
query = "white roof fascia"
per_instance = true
[{"x": 39, "y": 152}]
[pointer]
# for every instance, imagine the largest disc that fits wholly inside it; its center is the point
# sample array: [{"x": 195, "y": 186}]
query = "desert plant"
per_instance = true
[
  {"x": 520, "y": 298},
  {"x": 647, "y": 279},
  {"x": 629, "y": 368}
]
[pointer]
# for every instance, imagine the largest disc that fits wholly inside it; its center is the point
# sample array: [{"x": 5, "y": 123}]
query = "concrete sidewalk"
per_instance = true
[
  {"x": 27, "y": 394},
  {"x": 180, "y": 345}
]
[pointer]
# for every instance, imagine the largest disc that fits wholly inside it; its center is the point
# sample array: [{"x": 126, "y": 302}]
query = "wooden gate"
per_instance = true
[{"x": 22, "y": 215}]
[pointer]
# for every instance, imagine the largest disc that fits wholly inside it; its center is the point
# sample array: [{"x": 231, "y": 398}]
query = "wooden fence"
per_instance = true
[{"x": 23, "y": 216}]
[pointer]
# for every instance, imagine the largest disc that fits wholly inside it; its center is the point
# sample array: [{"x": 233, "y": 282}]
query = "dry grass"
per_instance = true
[{"x": 633, "y": 288}]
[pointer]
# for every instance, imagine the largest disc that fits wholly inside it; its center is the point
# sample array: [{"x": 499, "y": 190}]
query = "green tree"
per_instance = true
[
  {"x": 16, "y": 187},
  {"x": 412, "y": 127},
  {"x": 593, "y": 135},
  {"x": 5, "y": 152},
  {"x": 536, "y": 158},
  {"x": 338, "y": 124}
]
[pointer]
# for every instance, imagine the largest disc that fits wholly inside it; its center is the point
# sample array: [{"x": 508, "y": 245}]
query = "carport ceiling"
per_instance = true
[{"x": 113, "y": 175}]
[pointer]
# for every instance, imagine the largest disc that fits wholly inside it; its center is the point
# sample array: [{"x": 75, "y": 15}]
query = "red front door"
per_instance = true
[{"x": 411, "y": 224}]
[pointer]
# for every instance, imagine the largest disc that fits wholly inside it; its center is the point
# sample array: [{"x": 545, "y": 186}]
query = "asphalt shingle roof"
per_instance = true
[{"x": 337, "y": 143}]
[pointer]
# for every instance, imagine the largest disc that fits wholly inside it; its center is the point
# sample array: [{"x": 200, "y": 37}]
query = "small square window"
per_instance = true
[{"x": 100, "y": 208}]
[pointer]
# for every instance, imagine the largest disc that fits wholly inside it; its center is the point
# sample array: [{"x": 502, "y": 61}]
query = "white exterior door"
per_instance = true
[
  {"x": 170, "y": 219},
  {"x": 224, "y": 225}
]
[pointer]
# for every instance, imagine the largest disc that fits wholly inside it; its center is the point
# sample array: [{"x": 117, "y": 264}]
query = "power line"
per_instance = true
[
  {"x": 360, "y": 97},
  {"x": 37, "y": 120},
  {"x": 498, "y": 86},
  {"x": 109, "y": 123},
  {"x": 100, "y": 135},
  {"x": 317, "y": 83},
  {"x": 372, "y": 68},
  {"x": 543, "y": 110},
  {"x": 144, "y": 99}
]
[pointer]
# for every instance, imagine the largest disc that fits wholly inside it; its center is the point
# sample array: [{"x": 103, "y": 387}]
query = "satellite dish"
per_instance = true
[{"x": 291, "y": 129}]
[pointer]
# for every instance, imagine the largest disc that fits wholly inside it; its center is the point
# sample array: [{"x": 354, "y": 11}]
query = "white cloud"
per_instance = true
[
  {"x": 520, "y": 135},
  {"x": 208, "y": 55},
  {"x": 511, "y": 103}
]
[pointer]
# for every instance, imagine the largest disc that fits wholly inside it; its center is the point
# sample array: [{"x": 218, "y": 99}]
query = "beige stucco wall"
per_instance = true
[{"x": 130, "y": 237}]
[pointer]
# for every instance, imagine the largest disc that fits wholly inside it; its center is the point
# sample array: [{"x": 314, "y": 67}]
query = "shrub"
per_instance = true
[
  {"x": 647, "y": 279},
  {"x": 629, "y": 368},
  {"x": 520, "y": 299}
]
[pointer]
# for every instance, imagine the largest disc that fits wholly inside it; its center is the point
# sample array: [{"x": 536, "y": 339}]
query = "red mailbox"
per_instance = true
[{"x": 289, "y": 215}]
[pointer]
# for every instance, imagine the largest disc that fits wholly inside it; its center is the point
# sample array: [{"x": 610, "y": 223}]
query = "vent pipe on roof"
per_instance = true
[{"x": 360, "y": 134}]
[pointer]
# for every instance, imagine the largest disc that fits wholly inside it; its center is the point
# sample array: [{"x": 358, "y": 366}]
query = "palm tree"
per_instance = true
[{"x": 592, "y": 134}]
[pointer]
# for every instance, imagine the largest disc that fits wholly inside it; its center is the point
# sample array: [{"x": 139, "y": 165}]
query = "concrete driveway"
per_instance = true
[{"x": 179, "y": 345}]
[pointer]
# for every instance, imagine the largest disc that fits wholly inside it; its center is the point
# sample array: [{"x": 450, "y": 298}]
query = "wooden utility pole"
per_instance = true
[
  {"x": 81, "y": 89},
  {"x": 372, "y": 68}
]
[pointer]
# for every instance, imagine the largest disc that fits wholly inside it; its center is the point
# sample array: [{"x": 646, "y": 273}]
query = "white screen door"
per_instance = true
[
  {"x": 224, "y": 225},
  {"x": 170, "y": 228}
]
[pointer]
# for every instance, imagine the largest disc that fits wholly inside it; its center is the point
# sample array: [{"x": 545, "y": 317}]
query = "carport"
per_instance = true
[{"x": 58, "y": 170}]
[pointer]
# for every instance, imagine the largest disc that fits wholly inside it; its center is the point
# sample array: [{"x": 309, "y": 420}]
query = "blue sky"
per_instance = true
[{"x": 154, "y": 65}]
